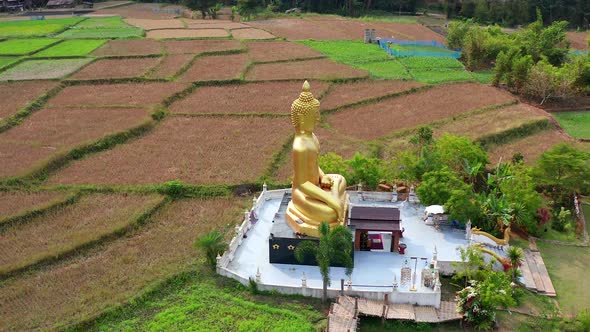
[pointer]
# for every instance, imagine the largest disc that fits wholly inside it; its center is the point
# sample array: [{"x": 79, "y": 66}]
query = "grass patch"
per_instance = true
[
  {"x": 440, "y": 75},
  {"x": 204, "y": 306},
  {"x": 429, "y": 62},
  {"x": 114, "y": 33},
  {"x": 565, "y": 236},
  {"x": 30, "y": 28},
  {"x": 7, "y": 61},
  {"x": 390, "y": 69},
  {"x": 103, "y": 23},
  {"x": 483, "y": 76},
  {"x": 577, "y": 124},
  {"x": 375, "y": 324},
  {"x": 349, "y": 52},
  {"x": 71, "y": 48},
  {"x": 24, "y": 46},
  {"x": 568, "y": 267}
]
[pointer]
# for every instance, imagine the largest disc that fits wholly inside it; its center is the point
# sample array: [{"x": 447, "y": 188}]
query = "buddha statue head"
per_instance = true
[{"x": 305, "y": 111}]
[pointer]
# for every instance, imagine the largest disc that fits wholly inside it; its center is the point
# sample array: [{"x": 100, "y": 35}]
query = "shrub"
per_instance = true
[{"x": 212, "y": 244}]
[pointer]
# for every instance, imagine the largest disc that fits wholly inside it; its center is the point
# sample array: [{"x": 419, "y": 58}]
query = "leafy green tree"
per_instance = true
[
  {"x": 369, "y": 171},
  {"x": 247, "y": 8},
  {"x": 212, "y": 244},
  {"x": 564, "y": 170},
  {"x": 335, "y": 247},
  {"x": 456, "y": 33},
  {"x": 519, "y": 191},
  {"x": 456, "y": 151},
  {"x": 462, "y": 206},
  {"x": 471, "y": 267},
  {"x": 332, "y": 163},
  {"x": 437, "y": 187},
  {"x": 204, "y": 6}
]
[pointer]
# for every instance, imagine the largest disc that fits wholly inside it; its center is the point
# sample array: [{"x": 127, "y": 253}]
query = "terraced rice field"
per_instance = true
[
  {"x": 96, "y": 128},
  {"x": 43, "y": 69},
  {"x": 382, "y": 118}
]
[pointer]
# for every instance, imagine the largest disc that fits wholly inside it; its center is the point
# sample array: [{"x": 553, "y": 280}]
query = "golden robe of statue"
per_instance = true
[{"x": 316, "y": 197}]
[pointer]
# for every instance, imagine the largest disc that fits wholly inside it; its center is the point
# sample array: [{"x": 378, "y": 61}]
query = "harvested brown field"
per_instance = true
[
  {"x": 129, "y": 47},
  {"x": 216, "y": 68},
  {"x": 475, "y": 126},
  {"x": 578, "y": 40},
  {"x": 200, "y": 46},
  {"x": 16, "y": 95},
  {"x": 68, "y": 293},
  {"x": 376, "y": 120},
  {"x": 125, "y": 94},
  {"x": 116, "y": 68},
  {"x": 531, "y": 147},
  {"x": 17, "y": 157},
  {"x": 279, "y": 51},
  {"x": 307, "y": 69},
  {"x": 215, "y": 25},
  {"x": 411, "y": 31},
  {"x": 43, "y": 69},
  {"x": 54, "y": 131},
  {"x": 170, "y": 65},
  {"x": 187, "y": 33},
  {"x": 16, "y": 202},
  {"x": 140, "y": 11},
  {"x": 151, "y": 24},
  {"x": 323, "y": 28},
  {"x": 350, "y": 93},
  {"x": 298, "y": 28},
  {"x": 58, "y": 232},
  {"x": 251, "y": 33},
  {"x": 492, "y": 122},
  {"x": 264, "y": 97},
  {"x": 194, "y": 150}
]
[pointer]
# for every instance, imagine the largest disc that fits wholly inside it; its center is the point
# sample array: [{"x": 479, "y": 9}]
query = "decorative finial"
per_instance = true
[{"x": 306, "y": 87}]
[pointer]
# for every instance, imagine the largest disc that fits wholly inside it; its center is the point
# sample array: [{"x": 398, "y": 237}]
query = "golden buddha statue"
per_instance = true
[{"x": 316, "y": 197}]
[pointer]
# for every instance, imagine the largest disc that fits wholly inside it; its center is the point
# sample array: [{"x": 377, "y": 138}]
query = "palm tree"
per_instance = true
[
  {"x": 515, "y": 255},
  {"x": 335, "y": 246},
  {"x": 212, "y": 244}
]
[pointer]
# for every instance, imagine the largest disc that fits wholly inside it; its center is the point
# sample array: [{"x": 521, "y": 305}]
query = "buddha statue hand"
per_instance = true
[{"x": 326, "y": 182}]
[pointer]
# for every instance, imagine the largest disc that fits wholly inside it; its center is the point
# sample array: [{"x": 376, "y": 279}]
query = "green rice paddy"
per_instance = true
[
  {"x": 71, "y": 48},
  {"x": 24, "y": 46},
  {"x": 6, "y": 61},
  {"x": 35, "y": 28},
  {"x": 99, "y": 28}
]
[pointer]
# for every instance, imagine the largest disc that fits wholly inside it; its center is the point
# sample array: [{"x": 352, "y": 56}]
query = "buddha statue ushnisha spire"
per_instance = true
[
  {"x": 316, "y": 197},
  {"x": 306, "y": 103}
]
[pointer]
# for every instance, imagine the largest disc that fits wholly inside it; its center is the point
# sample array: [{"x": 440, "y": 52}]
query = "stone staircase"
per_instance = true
[{"x": 534, "y": 273}]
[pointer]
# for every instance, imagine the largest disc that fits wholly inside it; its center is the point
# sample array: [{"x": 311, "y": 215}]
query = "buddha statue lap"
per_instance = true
[{"x": 316, "y": 197}]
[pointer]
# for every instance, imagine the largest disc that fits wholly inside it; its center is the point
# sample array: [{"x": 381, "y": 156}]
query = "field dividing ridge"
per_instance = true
[{"x": 92, "y": 219}]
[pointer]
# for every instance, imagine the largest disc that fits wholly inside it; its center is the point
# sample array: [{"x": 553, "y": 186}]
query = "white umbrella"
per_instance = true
[{"x": 434, "y": 209}]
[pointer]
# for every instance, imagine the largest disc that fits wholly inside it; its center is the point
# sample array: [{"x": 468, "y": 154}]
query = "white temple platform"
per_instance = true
[{"x": 374, "y": 273}]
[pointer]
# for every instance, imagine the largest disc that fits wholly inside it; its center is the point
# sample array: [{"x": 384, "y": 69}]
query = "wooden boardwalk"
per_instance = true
[
  {"x": 534, "y": 273},
  {"x": 344, "y": 314}
]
